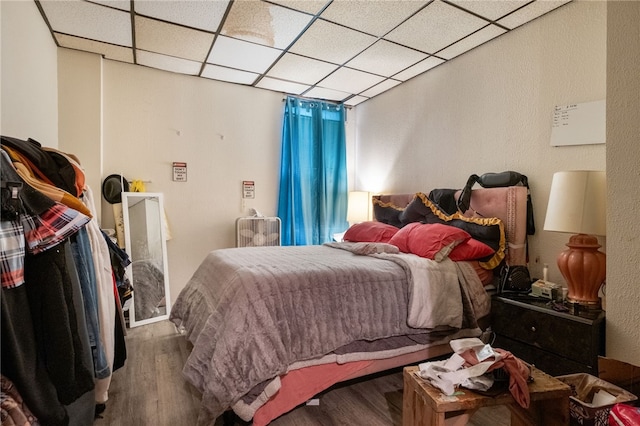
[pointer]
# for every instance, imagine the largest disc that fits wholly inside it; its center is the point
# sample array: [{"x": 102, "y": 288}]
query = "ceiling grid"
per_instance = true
[{"x": 340, "y": 50}]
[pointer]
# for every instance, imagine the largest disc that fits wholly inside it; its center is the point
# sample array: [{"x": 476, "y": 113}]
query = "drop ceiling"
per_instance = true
[{"x": 340, "y": 50}]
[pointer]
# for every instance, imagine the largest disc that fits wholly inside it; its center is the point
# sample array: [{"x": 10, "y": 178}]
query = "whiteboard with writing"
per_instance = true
[{"x": 579, "y": 124}]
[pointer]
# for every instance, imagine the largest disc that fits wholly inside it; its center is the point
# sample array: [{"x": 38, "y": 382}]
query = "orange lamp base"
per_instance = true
[{"x": 583, "y": 266}]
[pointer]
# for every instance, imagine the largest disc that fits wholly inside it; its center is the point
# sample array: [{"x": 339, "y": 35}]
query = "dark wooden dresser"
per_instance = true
[{"x": 558, "y": 343}]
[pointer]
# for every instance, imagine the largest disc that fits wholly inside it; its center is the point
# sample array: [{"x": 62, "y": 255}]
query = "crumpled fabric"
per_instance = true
[{"x": 464, "y": 368}]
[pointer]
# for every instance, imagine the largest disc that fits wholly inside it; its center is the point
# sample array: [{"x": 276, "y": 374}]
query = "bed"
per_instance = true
[{"x": 273, "y": 326}]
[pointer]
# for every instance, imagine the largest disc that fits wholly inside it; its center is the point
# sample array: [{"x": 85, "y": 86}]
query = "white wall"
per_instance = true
[
  {"x": 28, "y": 87},
  {"x": 225, "y": 133},
  {"x": 489, "y": 111},
  {"x": 149, "y": 119},
  {"x": 497, "y": 100},
  {"x": 80, "y": 114},
  {"x": 623, "y": 180}
]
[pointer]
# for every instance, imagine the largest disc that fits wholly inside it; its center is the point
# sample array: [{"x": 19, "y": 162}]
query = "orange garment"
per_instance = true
[
  {"x": 518, "y": 373},
  {"x": 26, "y": 172}
]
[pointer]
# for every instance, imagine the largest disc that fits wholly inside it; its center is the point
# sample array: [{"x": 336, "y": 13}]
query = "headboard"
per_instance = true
[{"x": 508, "y": 204}]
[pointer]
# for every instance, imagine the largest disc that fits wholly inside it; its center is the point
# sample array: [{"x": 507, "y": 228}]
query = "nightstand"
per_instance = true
[{"x": 558, "y": 343}]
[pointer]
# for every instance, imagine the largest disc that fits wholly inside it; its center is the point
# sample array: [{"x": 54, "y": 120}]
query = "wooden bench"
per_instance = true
[{"x": 425, "y": 405}]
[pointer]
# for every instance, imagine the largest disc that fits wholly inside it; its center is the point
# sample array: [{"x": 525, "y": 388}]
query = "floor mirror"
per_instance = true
[{"x": 145, "y": 243}]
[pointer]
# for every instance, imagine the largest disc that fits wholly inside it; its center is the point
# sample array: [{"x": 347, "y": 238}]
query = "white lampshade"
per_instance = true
[
  {"x": 359, "y": 206},
  {"x": 577, "y": 203}
]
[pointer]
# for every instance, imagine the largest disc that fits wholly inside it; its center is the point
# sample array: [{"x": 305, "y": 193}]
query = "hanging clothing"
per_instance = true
[
  {"x": 60, "y": 325},
  {"x": 21, "y": 361},
  {"x": 28, "y": 174},
  {"x": 81, "y": 250},
  {"x": 81, "y": 411},
  {"x": 50, "y": 167},
  {"x": 105, "y": 291},
  {"x": 13, "y": 406}
]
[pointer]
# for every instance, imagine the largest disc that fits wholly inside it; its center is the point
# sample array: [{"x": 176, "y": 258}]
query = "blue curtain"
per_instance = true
[{"x": 313, "y": 195}]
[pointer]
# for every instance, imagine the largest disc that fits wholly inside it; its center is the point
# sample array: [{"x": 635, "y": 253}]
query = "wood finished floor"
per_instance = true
[{"x": 150, "y": 390}]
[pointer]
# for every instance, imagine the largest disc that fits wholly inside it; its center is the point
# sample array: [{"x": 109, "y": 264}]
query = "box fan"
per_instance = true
[{"x": 257, "y": 231}]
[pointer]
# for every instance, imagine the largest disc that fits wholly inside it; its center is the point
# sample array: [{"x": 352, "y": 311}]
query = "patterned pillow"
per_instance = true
[{"x": 387, "y": 213}]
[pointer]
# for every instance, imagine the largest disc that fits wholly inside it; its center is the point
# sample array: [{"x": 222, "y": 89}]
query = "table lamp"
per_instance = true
[
  {"x": 359, "y": 207},
  {"x": 577, "y": 205}
]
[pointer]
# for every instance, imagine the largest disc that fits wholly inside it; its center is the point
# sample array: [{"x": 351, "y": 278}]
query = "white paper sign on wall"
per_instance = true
[
  {"x": 179, "y": 172},
  {"x": 579, "y": 124},
  {"x": 248, "y": 189}
]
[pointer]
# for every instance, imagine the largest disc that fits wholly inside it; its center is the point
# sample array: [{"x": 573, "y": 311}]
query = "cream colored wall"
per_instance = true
[
  {"x": 498, "y": 98},
  {"x": 489, "y": 111},
  {"x": 80, "y": 114},
  {"x": 28, "y": 89},
  {"x": 225, "y": 133},
  {"x": 623, "y": 179},
  {"x": 149, "y": 119}
]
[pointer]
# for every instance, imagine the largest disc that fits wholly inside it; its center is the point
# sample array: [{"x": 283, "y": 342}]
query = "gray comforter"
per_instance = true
[{"x": 252, "y": 313}]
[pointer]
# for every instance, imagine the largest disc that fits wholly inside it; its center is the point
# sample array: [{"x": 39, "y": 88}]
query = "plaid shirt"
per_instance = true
[
  {"x": 41, "y": 232},
  {"x": 51, "y": 227},
  {"x": 11, "y": 253}
]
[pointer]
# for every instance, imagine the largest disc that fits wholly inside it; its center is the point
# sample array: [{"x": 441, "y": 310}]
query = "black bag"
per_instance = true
[
  {"x": 498, "y": 180},
  {"x": 514, "y": 279}
]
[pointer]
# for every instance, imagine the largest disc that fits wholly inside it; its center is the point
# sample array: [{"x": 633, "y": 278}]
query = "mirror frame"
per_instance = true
[{"x": 127, "y": 198}]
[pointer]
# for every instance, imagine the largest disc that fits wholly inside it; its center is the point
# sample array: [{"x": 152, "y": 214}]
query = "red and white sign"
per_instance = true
[
  {"x": 248, "y": 189},
  {"x": 179, "y": 172}
]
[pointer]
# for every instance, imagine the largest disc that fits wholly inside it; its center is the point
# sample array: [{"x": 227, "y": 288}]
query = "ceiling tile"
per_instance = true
[
  {"x": 264, "y": 23},
  {"x": 332, "y": 43},
  {"x": 435, "y": 27},
  {"x": 242, "y": 55},
  {"x": 309, "y": 6},
  {"x": 301, "y": 69},
  {"x": 89, "y": 20},
  {"x": 529, "y": 12},
  {"x": 355, "y": 100},
  {"x": 167, "y": 63},
  {"x": 379, "y": 88},
  {"x": 418, "y": 68},
  {"x": 373, "y": 17},
  {"x": 204, "y": 15},
  {"x": 350, "y": 49},
  {"x": 227, "y": 74},
  {"x": 282, "y": 86},
  {"x": 386, "y": 58},
  {"x": 476, "y": 39},
  {"x": 109, "y": 51},
  {"x": 350, "y": 80},
  {"x": 329, "y": 94},
  {"x": 173, "y": 40},
  {"x": 118, "y": 4},
  {"x": 491, "y": 10}
]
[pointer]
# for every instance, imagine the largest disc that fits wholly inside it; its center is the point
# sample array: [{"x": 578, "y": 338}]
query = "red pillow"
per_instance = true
[
  {"x": 401, "y": 238},
  {"x": 433, "y": 241},
  {"x": 471, "y": 250},
  {"x": 436, "y": 240},
  {"x": 370, "y": 232}
]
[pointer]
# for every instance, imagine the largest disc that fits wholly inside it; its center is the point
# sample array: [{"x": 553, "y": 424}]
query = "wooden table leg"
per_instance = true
[{"x": 415, "y": 410}]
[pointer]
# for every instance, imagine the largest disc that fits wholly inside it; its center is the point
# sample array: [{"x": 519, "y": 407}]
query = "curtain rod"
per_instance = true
[{"x": 316, "y": 99}]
